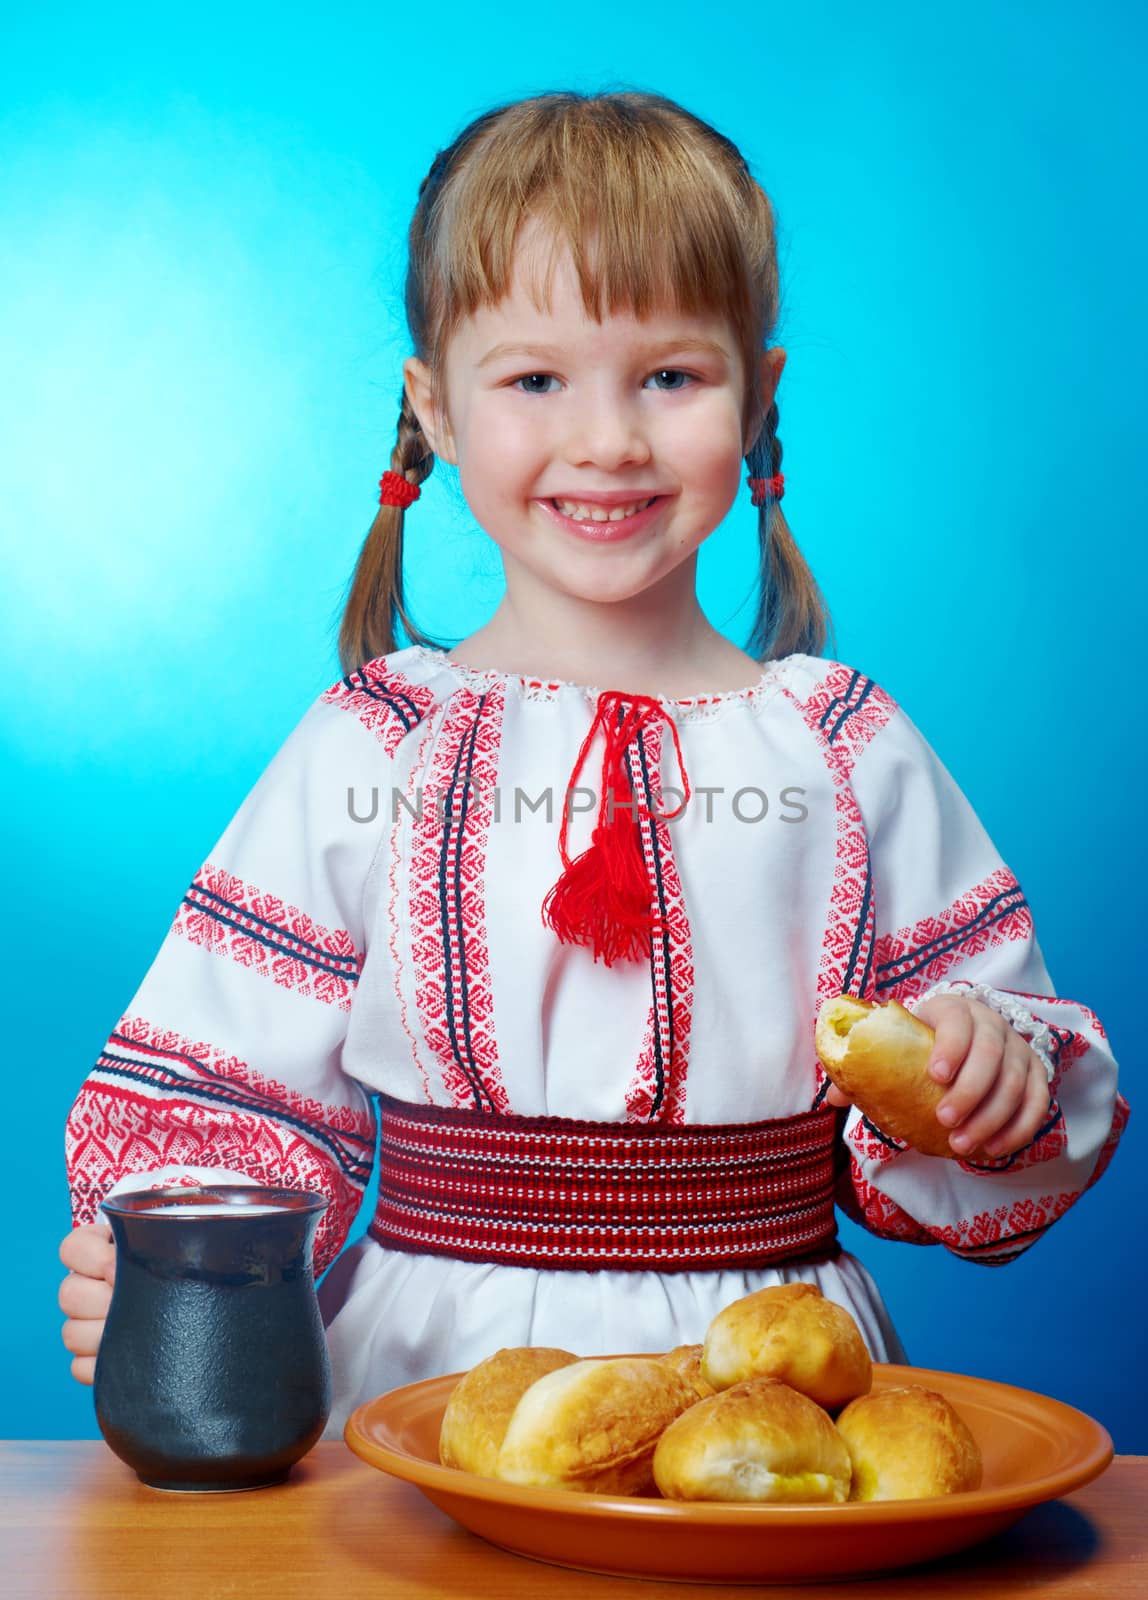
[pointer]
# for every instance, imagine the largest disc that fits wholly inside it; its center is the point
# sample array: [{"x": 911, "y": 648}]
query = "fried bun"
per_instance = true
[
  {"x": 482, "y": 1403},
  {"x": 759, "y": 1440},
  {"x": 908, "y": 1444},
  {"x": 879, "y": 1056},
  {"x": 593, "y": 1426},
  {"x": 793, "y": 1333}
]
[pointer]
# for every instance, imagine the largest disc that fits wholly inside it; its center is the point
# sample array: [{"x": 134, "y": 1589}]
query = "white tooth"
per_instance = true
[{"x": 587, "y": 513}]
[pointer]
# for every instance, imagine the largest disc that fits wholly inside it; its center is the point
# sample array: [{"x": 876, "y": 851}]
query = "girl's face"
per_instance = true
[{"x": 552, "y": 406}]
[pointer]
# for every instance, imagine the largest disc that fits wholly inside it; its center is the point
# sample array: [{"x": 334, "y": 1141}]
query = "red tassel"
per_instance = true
[{"x": 604, "y": 898}]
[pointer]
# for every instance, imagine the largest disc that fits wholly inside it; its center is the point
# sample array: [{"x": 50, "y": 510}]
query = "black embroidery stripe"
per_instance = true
[
  {"x": 972, "y": 1251},
  {"x": 837, "y": 700},
  {"x": 953, "y": 933},
  {"x": 848, "y": 712},
  {"x": 321, "y": 954},
  {"x": 402, "y": 705},
  {"x": 890, "y": 1144},
  {"x": 120, "y": 1067},
  {"x": 462, "y": 1046},
  {"x": 1060, "y": 1037},
  {"x": 944, "y": 945},
  {"x": 660, "y": 1066},
  {"x": 280, "y": 949},
  {"x": 859, "y": 934},
  {"x": 998, "y": 1166},
  {"x": 843, "y": 700}
]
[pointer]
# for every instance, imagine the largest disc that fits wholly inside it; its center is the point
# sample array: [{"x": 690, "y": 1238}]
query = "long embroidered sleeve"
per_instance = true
[
  {"x": 940, "y": 912},
  {"x": 227, "y": 1064}
]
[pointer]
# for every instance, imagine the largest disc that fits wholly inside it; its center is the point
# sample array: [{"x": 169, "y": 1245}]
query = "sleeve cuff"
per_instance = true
[{"x": 1037, "y": 1033}]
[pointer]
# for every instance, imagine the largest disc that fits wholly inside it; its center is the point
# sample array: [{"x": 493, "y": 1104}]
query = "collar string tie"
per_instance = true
[{"x": 604, "y": 898}]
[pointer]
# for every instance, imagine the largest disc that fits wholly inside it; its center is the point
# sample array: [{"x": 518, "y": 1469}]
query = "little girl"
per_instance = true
[{"x": 572, "y": 940}]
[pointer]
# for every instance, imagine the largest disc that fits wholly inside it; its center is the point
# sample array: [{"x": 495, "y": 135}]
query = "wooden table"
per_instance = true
[{"x": 76, "y": 1524}]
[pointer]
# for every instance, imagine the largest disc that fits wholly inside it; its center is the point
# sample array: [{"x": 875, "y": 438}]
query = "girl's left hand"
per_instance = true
[{"x": 998, "y": 1094}]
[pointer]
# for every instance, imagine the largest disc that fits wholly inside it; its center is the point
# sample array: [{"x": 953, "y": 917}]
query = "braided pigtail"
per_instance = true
[
  {"x": 792, "y": 614},
  {"x": 375, "y": 607}
]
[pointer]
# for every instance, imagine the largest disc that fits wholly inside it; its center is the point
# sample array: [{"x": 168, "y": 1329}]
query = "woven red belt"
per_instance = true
[{"x": 557, "y": 1192}]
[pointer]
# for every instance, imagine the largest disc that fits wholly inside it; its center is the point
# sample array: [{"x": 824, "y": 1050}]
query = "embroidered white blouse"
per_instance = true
[{"x": 371, "y": 920}]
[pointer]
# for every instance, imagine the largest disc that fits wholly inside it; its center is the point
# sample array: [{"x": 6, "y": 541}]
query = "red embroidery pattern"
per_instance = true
[
  {"x": 1120, "y": 1116},
  {"x": 991, "y": 913},
  {"x": 993, "y": 1237},
  {"x": 1070, "y": 1047},
  {"x": 850, "y": 929},
  {"x": 666, "y": 1039},
  {"x": 395, "y": 901},
  {"x": 879, "y": 1215},
  {"x": 1048, "y": 1145},
  {"x": 875, "y": 1145},
  {"x": 147, "y": 1040},
  {"x": 156, "y": 1099},
  {"x": 844, "y": 713},
  {"x": 1002, "y": 1234},
  {"x": 448, "y": 904},
  {"x": 257, "y": 930},
  {"x": 385, "y": 702}
]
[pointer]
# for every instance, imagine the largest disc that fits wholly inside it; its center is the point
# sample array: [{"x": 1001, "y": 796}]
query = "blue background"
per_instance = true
[{"x": 204, "y": 222}]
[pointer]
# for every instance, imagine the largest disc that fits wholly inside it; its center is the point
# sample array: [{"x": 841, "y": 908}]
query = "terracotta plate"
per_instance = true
[{"x": 1034, "y": 1449}]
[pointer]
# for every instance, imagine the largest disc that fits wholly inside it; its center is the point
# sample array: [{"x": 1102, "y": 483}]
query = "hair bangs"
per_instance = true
[{"x": 601, "y": 185}]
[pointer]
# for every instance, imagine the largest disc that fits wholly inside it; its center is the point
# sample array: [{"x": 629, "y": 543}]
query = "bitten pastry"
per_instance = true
[
  {"x": 483, "y": 1401},
  {"x": 793, "y": 1333},
  {"x": 907, "y": 1444},
  {"x": 879, "y": 1055},
  {"x": 593, "y": 1426},
  {"x": 759, "y": 1440},
  {"x": 687, "y": 1359}
]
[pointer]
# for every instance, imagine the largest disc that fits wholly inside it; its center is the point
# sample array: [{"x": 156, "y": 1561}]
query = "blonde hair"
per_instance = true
[{"x": 677, "y": 219}]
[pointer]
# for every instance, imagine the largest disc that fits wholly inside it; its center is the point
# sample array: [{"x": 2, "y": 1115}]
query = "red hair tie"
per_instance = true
[
  {"x": 767, "y": 486},
  {"x": 603, "y": 898},
  {"x": 394, "y": 490}
]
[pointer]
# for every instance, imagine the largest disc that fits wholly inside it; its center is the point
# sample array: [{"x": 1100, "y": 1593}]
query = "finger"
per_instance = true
[
  {"x": 85, "y": 1297},
  {"x": 82, "y": 1335},
  {"x": 93, "y": 1261},
  {"x": 1000, "y": 1104},
  {"x": 88, "y": 1249},
  {"x": 84, "y": 1368},
  {"x": 976, "y": 1074},
  {"x": 836, "y": 1097},
  {"x": 953, "y": 1037},
  {"x": 1033, "y": 1111}
]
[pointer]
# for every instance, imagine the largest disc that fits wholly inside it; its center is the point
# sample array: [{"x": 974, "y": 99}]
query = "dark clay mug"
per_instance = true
[{"x": 213, "y": 1371}]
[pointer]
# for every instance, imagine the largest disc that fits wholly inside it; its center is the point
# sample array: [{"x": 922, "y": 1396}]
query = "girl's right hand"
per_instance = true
[{"x": 89, "y": 1252}]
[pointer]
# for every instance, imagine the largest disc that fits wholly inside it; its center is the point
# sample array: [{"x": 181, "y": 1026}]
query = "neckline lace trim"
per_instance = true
[{"x": 700, "y": 707}]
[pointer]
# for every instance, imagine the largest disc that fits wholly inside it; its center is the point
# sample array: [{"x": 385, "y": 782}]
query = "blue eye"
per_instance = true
[
  {"x": 526, "y": 378},
  {"x": 672, "y": 372}
]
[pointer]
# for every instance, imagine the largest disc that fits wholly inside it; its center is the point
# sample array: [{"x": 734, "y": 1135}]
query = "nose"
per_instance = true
[{"x": 606, "y": 431}]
